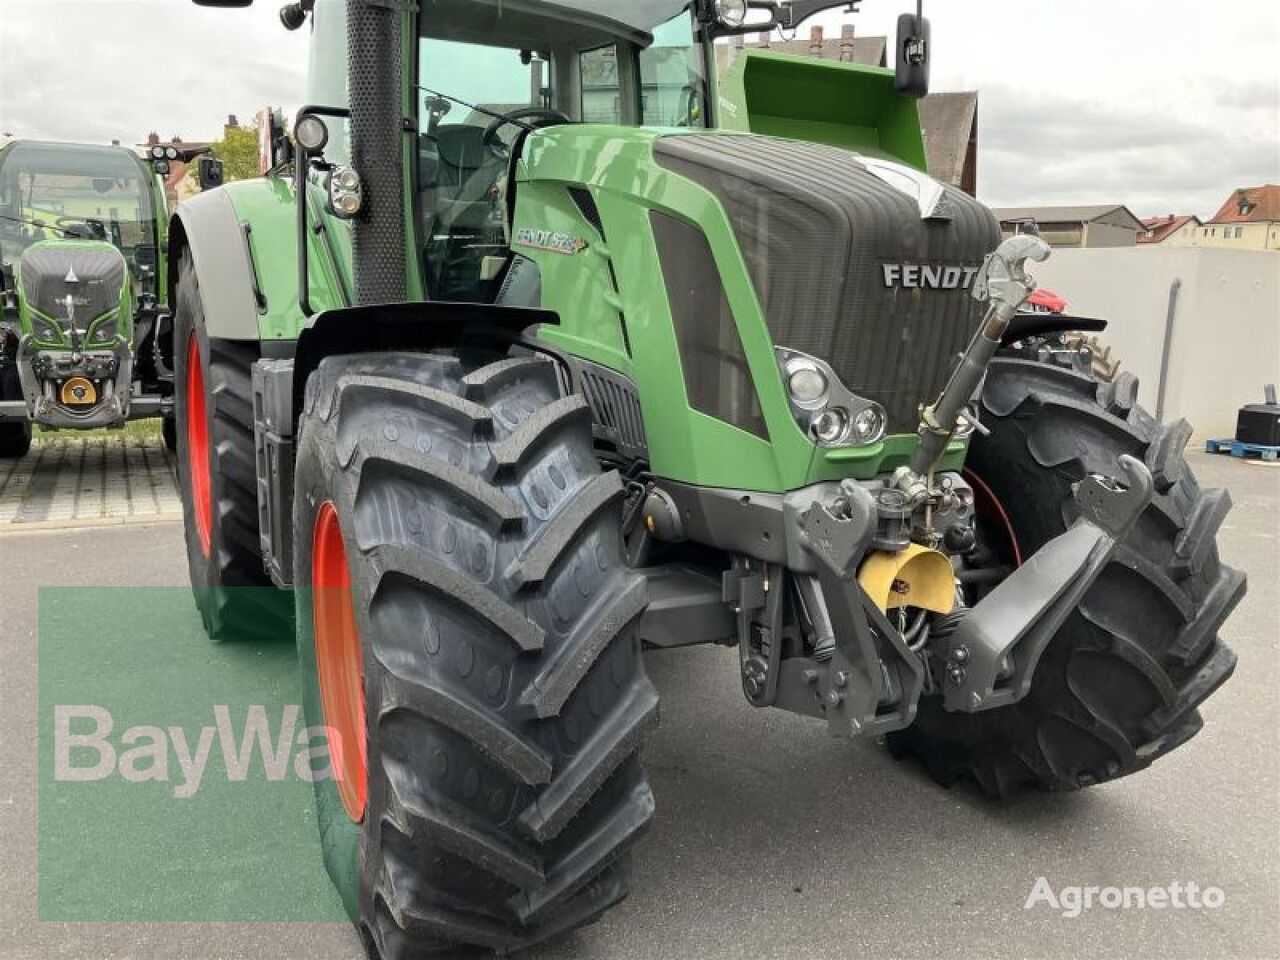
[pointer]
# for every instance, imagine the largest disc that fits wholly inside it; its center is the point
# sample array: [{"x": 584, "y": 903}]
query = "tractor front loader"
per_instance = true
[
  {"x": 84, "y": 335},
  {"x": 535, "y": 351}
]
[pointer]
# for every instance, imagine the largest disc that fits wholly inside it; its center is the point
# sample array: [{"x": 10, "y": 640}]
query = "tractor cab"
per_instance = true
[{"x": 485, "y": 82}]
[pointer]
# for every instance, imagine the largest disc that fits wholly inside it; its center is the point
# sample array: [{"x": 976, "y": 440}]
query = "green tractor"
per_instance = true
[
  {"x": 536, "y": 351},
  {"x": 84, "y": 337}
]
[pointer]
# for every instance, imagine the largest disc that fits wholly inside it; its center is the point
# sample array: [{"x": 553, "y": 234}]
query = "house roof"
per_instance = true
[
  {"x": 1250, "y": 205},
  {"x": 1076, "y": 214},
  {"x": 1162, "y": 227}
]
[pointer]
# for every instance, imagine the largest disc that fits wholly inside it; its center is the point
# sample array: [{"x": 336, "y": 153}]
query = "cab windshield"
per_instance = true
[
  {"x": 482, "y": 83},
  {"x": 55, "y": 191}
]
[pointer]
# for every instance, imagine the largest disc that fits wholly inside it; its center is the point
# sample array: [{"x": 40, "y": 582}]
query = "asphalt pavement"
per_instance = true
[{"x": 772, "y": 840}]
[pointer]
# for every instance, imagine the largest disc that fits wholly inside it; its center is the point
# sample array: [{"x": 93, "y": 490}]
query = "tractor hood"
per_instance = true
[
  {"x": 83, "y": 279},
  {"x": 861, "y": 262}
]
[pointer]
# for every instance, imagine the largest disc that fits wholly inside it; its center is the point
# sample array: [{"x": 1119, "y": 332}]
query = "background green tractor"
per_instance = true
[
  {"x": 83, "y": 334},
  {"x": 525, "y": 362}
]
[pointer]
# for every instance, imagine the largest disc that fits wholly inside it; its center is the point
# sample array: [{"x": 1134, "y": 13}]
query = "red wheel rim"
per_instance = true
[
  {"x": 338, "y": 661},
  {"x": 198, "y": 447},
  {"x": 991, "y": 509}
]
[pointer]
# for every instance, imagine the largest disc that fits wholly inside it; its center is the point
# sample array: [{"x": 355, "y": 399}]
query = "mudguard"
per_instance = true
[{"x": 243, "y": 239}]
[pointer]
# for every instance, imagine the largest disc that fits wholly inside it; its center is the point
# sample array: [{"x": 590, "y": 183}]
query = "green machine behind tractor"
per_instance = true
[
  {"x": 84, "y": 337},
  {"x": 539, "y": 350}
]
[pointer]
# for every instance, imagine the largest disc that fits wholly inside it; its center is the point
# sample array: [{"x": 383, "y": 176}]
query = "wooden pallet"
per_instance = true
[{"x": 1244, "y": 450}]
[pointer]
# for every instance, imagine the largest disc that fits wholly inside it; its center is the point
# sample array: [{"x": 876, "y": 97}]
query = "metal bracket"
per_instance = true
[
  {"x": 991, "y": 657},
  {"x": 838, "y": 532}
]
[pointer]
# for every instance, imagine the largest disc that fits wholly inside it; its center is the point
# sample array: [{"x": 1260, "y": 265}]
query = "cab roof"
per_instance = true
[
  {"x": 71, "y": 159},
  {"x": 539, "y": 24}
]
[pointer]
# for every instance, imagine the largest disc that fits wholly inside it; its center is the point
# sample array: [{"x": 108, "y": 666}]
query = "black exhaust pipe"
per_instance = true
[{"x": 375, "y": 67}]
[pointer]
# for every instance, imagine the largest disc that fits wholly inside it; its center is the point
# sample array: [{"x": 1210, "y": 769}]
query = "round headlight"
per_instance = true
[
  {"x": 171, "y": 153},
  {"x": 868, "y": 425},
  {"x": 346, "y": 204},
  {"x": 311, "y": 133},
  {"x": 830, "y": 426},
  {"x": 807, "y": 385},
  {"x": 731, "y": 13},
  {"x": 346, "y": 179}
]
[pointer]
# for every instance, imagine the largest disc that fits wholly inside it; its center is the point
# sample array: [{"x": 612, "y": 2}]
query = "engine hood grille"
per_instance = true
[
  {"x": 93, "y": 275},
  {"x": 844, "y": 264}
]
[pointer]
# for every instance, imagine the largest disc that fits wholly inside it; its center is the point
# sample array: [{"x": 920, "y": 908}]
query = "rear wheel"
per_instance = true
[
  {"x": 1119, "y": 684},
  {"x": 15, "y": 437},
  {"x": 217, "y": 475},
  {"x": 468, "y": 632}
]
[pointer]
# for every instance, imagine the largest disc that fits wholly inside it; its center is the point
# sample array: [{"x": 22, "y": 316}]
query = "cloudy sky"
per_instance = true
[{"x": 1165, "y": 105}]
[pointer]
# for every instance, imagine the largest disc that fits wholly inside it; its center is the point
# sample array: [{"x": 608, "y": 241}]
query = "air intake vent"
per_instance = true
[
  {"x": 616, "y": 409},
  {"x": 586, "y": 205}
]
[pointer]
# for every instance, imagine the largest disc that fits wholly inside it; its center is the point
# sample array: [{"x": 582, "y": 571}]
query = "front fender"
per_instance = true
[{"x": 243, "y": 240}]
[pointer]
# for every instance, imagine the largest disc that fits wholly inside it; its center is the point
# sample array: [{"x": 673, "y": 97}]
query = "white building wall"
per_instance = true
[{"x": 1226, "y": 331}]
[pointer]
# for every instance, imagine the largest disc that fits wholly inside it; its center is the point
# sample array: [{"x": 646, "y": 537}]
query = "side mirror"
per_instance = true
[
  {"x": 912, "y": 67},
  {"x": 210, "y": 172}
]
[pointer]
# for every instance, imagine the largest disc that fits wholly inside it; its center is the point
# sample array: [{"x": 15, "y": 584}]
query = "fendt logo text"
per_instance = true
[{"x": 923, "y": 276}]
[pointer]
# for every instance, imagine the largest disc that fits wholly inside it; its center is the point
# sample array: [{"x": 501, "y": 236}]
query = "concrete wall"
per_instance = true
[{"x": 1226, "y": 331}]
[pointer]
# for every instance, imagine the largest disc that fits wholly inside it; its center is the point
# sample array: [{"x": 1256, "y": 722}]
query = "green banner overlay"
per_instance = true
[{"x": 175, "y": 773}]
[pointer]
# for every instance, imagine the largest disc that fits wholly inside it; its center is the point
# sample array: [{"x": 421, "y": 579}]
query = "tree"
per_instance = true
[{"x": 238, "y": 151}]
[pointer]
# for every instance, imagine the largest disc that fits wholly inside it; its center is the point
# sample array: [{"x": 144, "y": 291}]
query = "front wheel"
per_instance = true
[
  {"x": 1119, "y": 684},
  {"x": 217, "y": 475},
  {"x": 466, "y": 632}
]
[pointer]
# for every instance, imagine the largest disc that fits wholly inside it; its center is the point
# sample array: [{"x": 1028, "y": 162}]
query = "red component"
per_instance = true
[
  {"x": 339, "y": 661},
  {"x": 198, "y": 447},
  {"x": 990, "y": 508},
  {"x": 1047, "y": 301}
]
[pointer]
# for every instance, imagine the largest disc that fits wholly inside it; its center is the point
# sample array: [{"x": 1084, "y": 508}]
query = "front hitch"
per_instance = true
[{"x": 990, "y": 658}]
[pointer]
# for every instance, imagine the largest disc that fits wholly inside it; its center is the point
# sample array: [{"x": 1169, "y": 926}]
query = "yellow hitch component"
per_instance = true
[
  {"x": 78, "y": 392},
  {"x": 914, "y": 577}
]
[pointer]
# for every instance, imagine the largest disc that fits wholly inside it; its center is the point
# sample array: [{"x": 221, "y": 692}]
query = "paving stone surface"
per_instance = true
[{"x": 89, "y": 480}]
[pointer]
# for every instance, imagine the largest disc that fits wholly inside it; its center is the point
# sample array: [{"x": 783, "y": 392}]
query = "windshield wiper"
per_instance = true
[
  {"x": 37, "y": 223},
  {"x": 471, "y": 106}
]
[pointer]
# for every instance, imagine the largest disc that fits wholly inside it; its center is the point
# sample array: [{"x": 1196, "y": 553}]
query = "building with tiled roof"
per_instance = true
[
  {"x": 1249, "y": 219},
  {"x": 1099, "y": 225},
  {"x": 1171, "y": 231}
]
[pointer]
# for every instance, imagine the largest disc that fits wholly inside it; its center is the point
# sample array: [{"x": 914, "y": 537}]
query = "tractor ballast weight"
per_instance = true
[{"x": 609, "y": 359}]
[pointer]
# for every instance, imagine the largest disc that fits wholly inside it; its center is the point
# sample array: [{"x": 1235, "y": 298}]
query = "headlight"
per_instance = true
[
  {"x": 346, "y": 192},
  {"x": 731, "y": 13},
  {"x": 807, "y": 385},
  {"x": 45, "y": 331},
  {"x": 825, "y": 408},
  {"x": 105, "y": 330}
]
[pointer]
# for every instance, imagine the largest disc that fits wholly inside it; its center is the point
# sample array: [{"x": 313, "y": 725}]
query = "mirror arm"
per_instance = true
[{"x": 796, "y": 12}]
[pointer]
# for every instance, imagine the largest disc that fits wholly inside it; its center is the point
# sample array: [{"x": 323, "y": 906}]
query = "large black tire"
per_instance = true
[
  {"x": 505, "y": 698},
  {"x": 1119, "y": 685},
  {"x": 231, "y": 587},
  {"x": 15, "y": 437},
  {"x": 169, "y": 433},
  {"x": 15, "y": 440}
]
